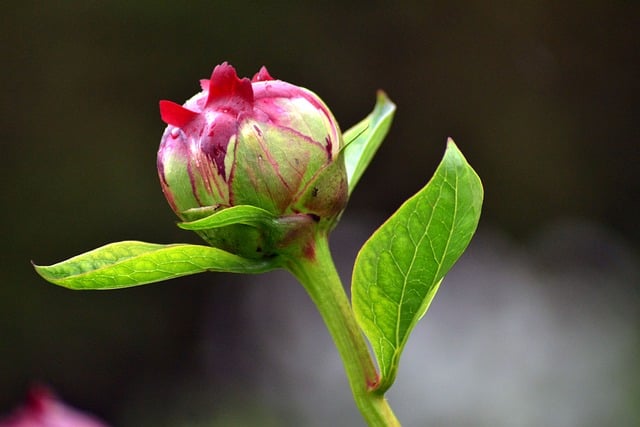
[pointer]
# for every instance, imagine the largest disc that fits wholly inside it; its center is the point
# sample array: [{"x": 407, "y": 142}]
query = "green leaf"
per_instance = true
[
  {"x": 241, "y": 214},
  {"x": 400, "y": 267},
  {"x": 362, "y": 140},
  {"x": 132, "y": 263}
]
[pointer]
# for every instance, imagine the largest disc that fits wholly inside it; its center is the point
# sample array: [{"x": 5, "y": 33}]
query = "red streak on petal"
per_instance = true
[
  {"x": 262, "y": 75},
  {"x": 175, "y": 114},
  {"x": 309, "y": 251},
  {"x": 39, "y": 398},
  {"x": 373, "y": 383}
]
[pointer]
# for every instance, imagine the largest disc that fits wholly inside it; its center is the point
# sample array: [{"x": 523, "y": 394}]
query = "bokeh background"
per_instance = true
[{"x": 536, "y": 325}]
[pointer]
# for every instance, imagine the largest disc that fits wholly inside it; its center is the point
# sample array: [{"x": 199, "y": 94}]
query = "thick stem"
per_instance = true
[{"x": 317, "y": 273}]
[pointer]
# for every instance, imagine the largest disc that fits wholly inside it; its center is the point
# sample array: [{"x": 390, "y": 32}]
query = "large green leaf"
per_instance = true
[
  {"x": 399, "y": 269},
  {"x": 132, "y": 263},
  {"x": 362, "y": 140}
]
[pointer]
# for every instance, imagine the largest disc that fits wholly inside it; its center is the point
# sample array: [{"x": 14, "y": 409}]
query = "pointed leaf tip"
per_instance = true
[
  {"x": 363, "y": 140},
  {"x": 175, "y": 114}
]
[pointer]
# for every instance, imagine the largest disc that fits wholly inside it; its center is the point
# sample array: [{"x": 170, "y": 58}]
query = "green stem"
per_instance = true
[{"x": 317, "y": 273}]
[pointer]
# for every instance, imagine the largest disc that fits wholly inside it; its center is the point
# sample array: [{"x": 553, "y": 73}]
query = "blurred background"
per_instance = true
[{"x": 536, "y": 325}]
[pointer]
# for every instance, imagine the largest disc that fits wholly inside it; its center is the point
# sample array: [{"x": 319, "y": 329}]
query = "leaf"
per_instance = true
[
  {"x": 363, "y": 139},
  {"x": 132, "y": 263},
  {"x": 241, "y": 214},
  {"x": 399, "y": 269}
]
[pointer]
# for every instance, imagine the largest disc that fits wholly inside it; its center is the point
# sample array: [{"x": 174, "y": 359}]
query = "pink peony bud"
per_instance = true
[{"x": 259, "y": 142}]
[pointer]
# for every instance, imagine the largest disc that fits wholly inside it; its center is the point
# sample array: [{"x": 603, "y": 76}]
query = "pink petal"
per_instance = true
[
  {"x": 225, "y": 86},
  {"x": 43, "y": 409},
  {"x": 175, "y": 114},
  {"x": 262, "y": 75}
]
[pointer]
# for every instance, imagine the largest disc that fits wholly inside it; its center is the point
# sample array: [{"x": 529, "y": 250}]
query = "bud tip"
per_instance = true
[
  {"x": 225, "y": 85},
  {"x": 262, "y": 75}
]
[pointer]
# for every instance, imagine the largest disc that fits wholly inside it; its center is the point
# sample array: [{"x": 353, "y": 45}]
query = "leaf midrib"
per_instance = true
[{"x": 415, "y": 252}]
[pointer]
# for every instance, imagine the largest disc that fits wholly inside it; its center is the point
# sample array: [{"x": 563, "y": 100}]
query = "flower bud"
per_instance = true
[{"x": 260, "y": 142}]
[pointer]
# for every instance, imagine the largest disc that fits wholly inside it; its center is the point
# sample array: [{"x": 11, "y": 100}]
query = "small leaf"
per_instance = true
[
  {"x": 400, "y": 267},
  {"x": 132, "y": 263},
  {"x": 241, "y": 214},
  {"x": 362, "y": 140}
]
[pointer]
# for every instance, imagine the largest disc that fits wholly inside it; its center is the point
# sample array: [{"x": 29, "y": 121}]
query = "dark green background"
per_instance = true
[{"x": 541, "y": 96}]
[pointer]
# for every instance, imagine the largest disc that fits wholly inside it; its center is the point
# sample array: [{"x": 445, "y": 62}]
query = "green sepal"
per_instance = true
[
  {"x": 133, "y": 263},
  {"x": 363, "y": 140},
  {"x": 241, "y": 214},
  {"x": 399, "y": 269}
]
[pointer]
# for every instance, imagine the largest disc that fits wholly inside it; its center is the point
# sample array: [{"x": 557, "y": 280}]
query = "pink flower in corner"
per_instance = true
[{"x": 43, "y": 409}]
